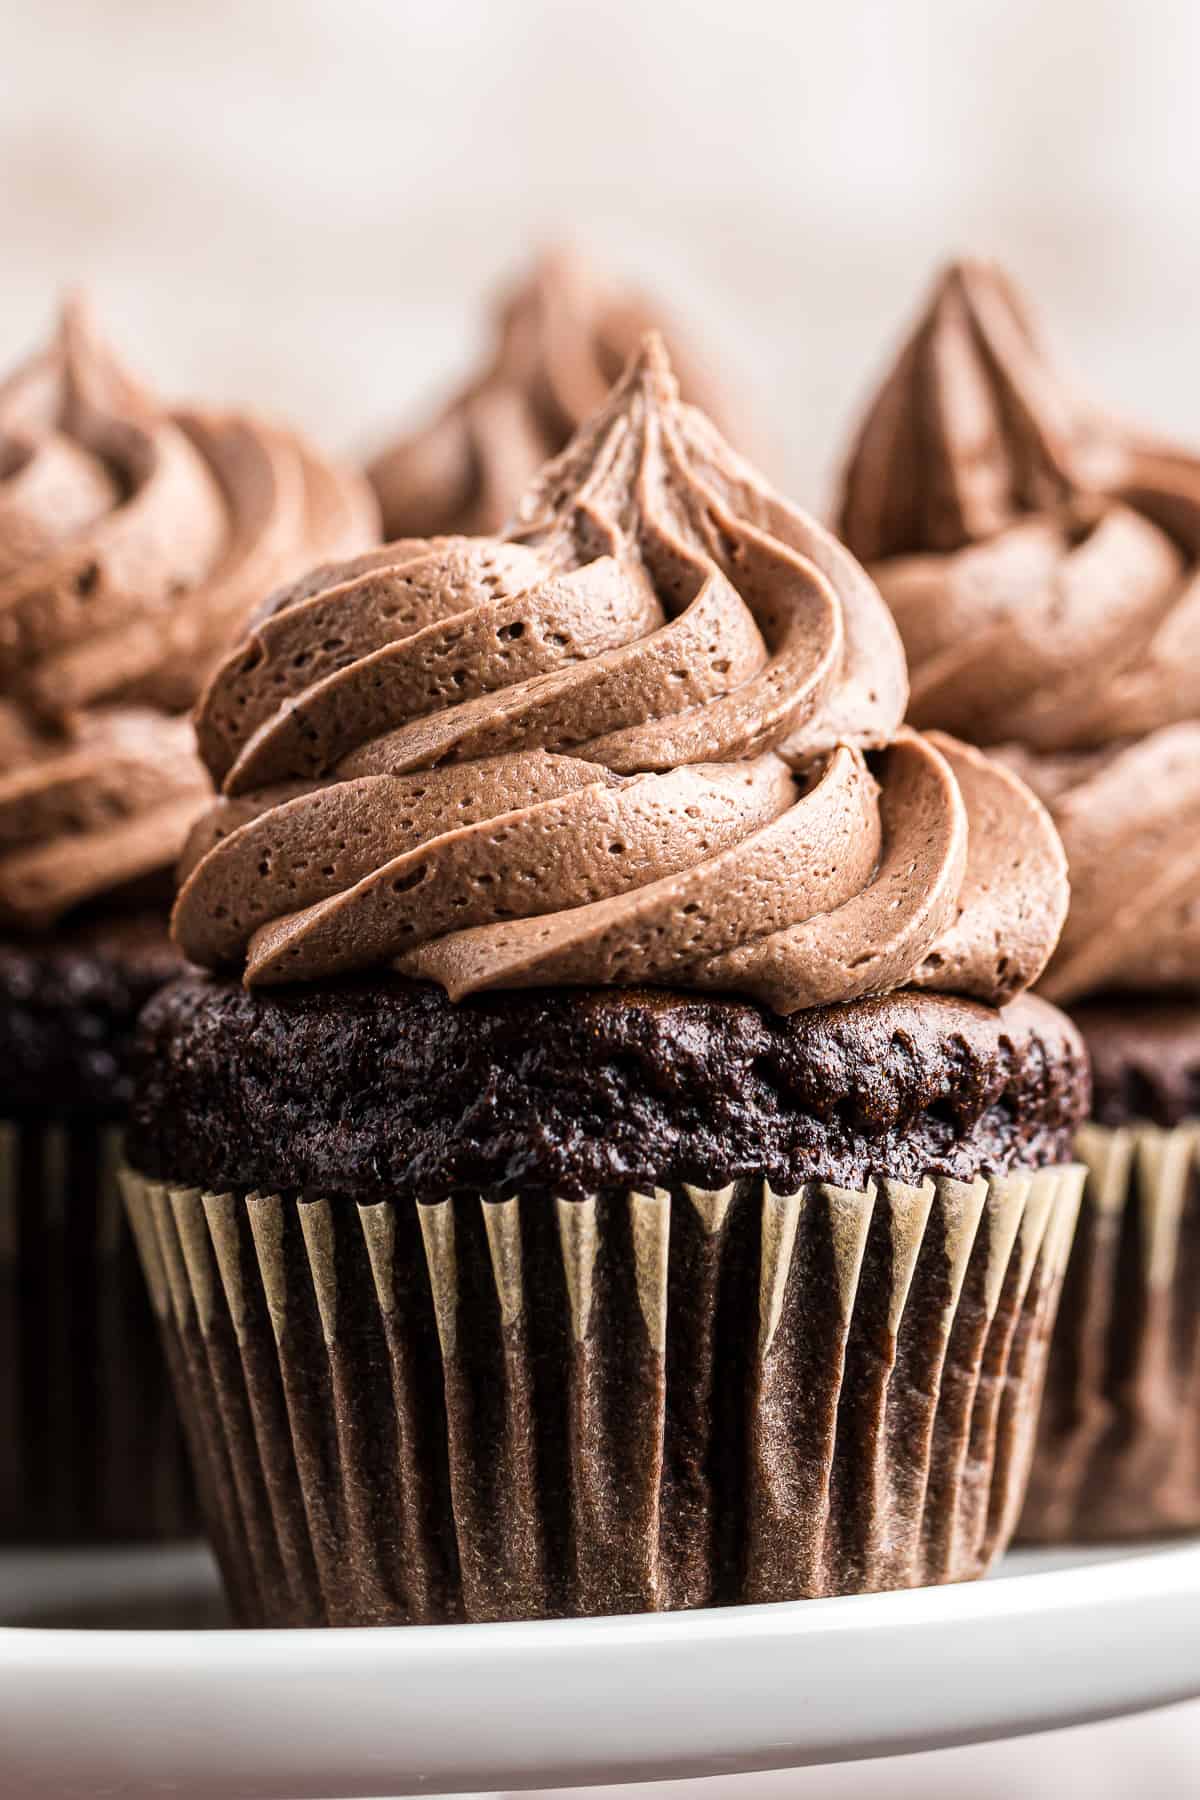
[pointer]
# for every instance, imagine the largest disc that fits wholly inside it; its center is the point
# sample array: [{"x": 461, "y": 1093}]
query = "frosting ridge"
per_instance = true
[
  {"x": 1129, "y": 818},
  {"x": 86, "y": 812},
  {"x": 650, "y": 736}
]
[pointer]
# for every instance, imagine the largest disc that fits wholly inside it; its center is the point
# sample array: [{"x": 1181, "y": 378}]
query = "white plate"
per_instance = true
[{"x": 210, "y": 1714}]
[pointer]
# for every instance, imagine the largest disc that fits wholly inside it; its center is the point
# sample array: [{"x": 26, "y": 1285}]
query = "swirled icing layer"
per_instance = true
[
  {"x": 1129, "y": 817},
  {"x": 562, "y": 340},
  {"x": 88, "y": 811},
  {"x": 1043, "y": 566},
  {"x": 133, "y": 540},
  {"x": 1040, "y": 563},
  {"x": 629, "y": 744},
  {"x": 1067, "y": 631}
]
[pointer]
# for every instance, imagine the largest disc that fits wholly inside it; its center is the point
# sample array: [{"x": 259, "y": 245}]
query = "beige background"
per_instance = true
[{"x": 304, "y": 203}]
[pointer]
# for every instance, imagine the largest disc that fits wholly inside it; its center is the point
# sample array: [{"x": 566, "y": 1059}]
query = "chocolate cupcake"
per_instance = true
[
  {"x": 1041, "y": 562},
  {"x": 562, "y": 337},
  {"x": 627, "y": 1174},
  {"x": 132, "y": 540}
]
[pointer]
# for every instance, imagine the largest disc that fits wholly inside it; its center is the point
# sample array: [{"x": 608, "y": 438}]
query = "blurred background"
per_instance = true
[{"x": 306, "y": 205}]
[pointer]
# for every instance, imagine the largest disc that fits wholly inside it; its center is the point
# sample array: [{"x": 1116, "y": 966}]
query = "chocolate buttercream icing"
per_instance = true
[
  {"x": 133, "y": 540},
  {"x": 1043, "y": 564},
  {"x": 1129, "y": 817},
  {"x": 652, "y": 736},
  {"x": 88, "y": 811},
  {"x": 970, "y": 431},
  {"x": 562, "y": 339}
]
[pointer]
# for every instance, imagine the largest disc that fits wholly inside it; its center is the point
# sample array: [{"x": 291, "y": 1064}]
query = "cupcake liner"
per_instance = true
[
  {"x": 90, "y": 1444},
  {"x": 1118, "y": 1449},
  {"x": 466, "y": 1409}
]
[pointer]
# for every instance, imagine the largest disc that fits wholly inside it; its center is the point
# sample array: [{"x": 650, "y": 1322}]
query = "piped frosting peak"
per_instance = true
[
  {"x": 971, "y": 431},
  {"x": 563, "y": 337}
]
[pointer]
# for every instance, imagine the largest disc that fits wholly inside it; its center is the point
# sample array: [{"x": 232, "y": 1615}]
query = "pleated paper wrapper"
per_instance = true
[
  {"x": 90, "y": 1444},
  {"x": 536, "y": 1407},
  {"x": 1118, "y": 1452}
]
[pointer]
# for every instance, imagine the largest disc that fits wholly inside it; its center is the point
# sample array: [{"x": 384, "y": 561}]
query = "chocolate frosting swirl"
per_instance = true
[
  {"x": 970, "y": 431},
  {"x": 133, "y": 540},
  {"x": 88, "y": 811},
  {"x": 1129, "y": 817},
  {"x": 1043, "y": 565},
  {"x": 629, "y": 743},
  {"x": 562, "y": 339}
]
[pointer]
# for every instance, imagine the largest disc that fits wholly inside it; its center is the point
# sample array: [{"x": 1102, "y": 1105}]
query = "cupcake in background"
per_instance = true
[
  {"x": 1042, "y": 565},
  {"x": 133, "y": 539},
  {"x": 613, "y": 1163},
  {"x": 562, "y": 339}
]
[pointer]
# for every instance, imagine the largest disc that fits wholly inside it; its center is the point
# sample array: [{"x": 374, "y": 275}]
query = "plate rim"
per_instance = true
[
  {"x": 1164, "y": 1566},
  {"x": 212, "y": 1714}
]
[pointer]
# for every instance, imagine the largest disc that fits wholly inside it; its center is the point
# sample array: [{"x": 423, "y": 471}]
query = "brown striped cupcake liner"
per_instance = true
[
  {"x": 90, "y": 1444},
  {"x": 1118, "y": 1449},
  {"x": 474, "y": 1410}
]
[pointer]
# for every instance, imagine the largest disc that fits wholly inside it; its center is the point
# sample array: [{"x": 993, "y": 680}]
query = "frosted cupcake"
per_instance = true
[
  {"x": 1041, "y": 564},
  {"x": 132, "y": 540},
  {"x": 612, "y": 1164}
]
